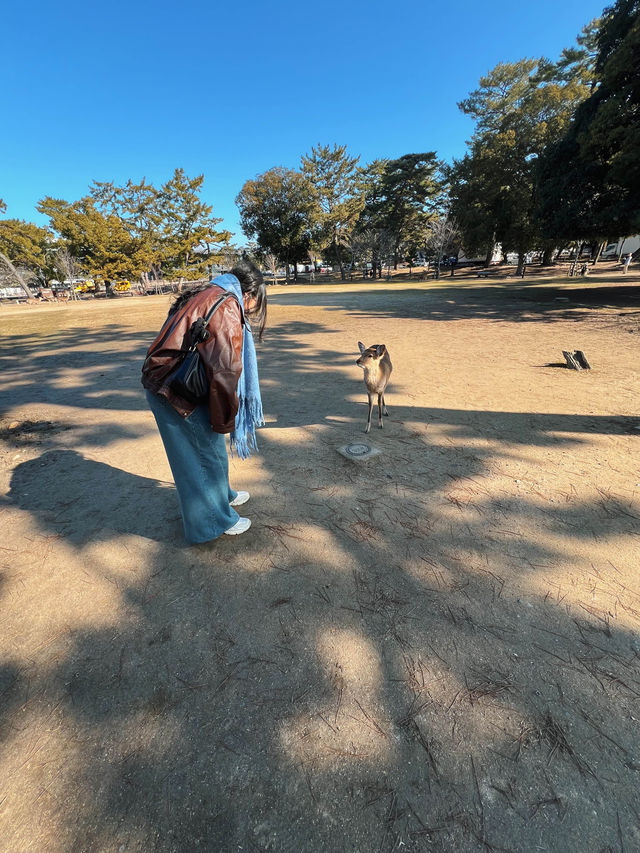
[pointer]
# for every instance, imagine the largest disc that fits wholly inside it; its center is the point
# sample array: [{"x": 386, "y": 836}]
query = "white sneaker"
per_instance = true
[
  {"x": 240, "y": 498},
  {"x": 241, "y": 526}
]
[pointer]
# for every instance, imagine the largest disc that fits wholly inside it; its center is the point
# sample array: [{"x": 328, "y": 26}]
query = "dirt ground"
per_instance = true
[{"x": 437, "y": 650}]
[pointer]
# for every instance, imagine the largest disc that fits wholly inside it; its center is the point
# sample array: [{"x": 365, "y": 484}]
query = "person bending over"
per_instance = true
[{"x": 194, "y": 434}]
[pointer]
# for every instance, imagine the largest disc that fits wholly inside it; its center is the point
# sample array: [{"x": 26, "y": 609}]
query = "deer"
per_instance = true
[{"x": 375, "y": 362}]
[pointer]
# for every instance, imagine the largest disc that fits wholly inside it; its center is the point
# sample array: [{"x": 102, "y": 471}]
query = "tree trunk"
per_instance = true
[
  {"x": 337, "y": 258},
  {"x": 601, "y": 248},
  {"x": 17, "y": 275},
  {"x": 489, "y": 255},
  {"x": 521, "y": 264},
  {"x": 576, "y": 260},
  {"x": 547, "y": 257}
]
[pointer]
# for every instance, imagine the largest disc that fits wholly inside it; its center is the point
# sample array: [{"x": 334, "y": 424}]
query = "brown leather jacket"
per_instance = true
[{"x": 221, "y": 355}]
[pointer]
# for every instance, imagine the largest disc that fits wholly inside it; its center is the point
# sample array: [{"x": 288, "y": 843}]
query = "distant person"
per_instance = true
[
  {"x": 194, "y": 434},
  {"x": 625, "y": 263},
  {"x": 453, "y": 260}
]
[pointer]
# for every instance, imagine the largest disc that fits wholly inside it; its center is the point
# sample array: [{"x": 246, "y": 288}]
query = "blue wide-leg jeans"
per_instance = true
[{"x": 200, "y": 467}]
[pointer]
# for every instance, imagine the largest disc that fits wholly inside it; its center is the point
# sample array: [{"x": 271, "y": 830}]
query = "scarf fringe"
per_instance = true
[{"x": 243, "y": 438}]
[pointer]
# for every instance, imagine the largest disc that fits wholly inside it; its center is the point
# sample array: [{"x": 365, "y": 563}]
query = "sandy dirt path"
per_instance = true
[{"x": 435, "y": 650}]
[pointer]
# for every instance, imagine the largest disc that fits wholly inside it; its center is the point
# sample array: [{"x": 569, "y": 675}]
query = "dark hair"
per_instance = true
[
  {"x": 251, "y": 283},
  {"x": 182, "y": 298}
]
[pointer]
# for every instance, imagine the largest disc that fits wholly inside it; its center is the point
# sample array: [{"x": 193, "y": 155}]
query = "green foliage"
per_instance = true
[
  {"x": 578, "y": 62},
  {"x": 277, "y": 208},
  {"x": 337, "y": 193},
  {"x": 185, "y": 224},
  {"x": 400, "y": 196},
  {"x": 172, "y": 225},
  {"x": 99, "y": 241},
  {"x": 131, "y": 231},
  {"x": 520, "y": 108},
  {"x": 26, "y": 245},
  {"x": 590, "y": 179}
]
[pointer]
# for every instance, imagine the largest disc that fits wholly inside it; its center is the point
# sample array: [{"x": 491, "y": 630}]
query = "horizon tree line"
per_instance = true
[{"x": 554, "y": 160}]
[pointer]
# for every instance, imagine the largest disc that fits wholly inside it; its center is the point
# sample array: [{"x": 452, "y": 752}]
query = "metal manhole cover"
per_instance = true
[{"x": 357, "y": 449}]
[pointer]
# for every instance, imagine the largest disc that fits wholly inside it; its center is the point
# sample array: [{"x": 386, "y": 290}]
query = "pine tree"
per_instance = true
[
  {"x": 519, "y": 108},
  {"x": 400, "y": 196},
  {"x": 339, "y": 200}
]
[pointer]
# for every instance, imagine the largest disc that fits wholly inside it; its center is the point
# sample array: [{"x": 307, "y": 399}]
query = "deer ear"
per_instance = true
[
  {"x": 361, "y": 346},
  {"x": 381, "y": 349}
]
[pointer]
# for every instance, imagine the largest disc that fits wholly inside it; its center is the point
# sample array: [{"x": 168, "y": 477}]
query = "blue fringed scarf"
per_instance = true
[{"x": 243, "y": 438}]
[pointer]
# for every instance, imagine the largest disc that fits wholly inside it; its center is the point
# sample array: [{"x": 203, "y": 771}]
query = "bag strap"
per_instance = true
[{"x": 201, "y": 332}]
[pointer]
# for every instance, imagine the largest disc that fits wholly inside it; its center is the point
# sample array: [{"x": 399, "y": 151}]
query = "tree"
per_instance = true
[
  {"x": 277, "y": 209},
  {"x": 25, "y": 244},
  {"x": 137, "y": 207},
  {"x": 100, "y": 242},
  {"x": 578, "y": 62},
  {"x": 271, "y": 263},
  {"x": 400, "y": 195},
  {"x": 334, "y": 177},
  {"x": 440, "y": 237},
  {"x": 230, "y": 255},
  {"x": 68, "y": 267},
  {"x": 190, "y": 240},
  {"x": 590, "y": 180},
  {"x": 172, "y": 225},
  {"x": 371, "y": 245},
  {"x": 519, "y": 108},
  {"x": 475, "y": 202}
]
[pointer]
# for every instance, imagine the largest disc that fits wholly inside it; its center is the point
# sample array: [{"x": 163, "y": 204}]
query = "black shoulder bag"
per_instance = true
[{"x": 189, "y": 379}]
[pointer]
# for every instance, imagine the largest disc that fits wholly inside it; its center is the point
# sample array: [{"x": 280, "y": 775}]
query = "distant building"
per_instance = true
[{"x": 622, "y": 247}]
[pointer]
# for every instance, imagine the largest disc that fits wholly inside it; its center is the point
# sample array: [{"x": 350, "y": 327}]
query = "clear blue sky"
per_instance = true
[{"x": 116, "y": 90}]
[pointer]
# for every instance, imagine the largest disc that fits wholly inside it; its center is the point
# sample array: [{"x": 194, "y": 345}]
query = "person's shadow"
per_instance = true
[{"x": 87, "y": 501}]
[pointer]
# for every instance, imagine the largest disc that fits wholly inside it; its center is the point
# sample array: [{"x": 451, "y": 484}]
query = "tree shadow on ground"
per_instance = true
[
  {"x": 319, "y": 390},
  {"x": 94, "y": 500},
  {"x": 385, "y": 691},
  {"x": 446, "y": 302},
  {"x": 106, "y": 363},
  {"x": 392, "y": 688}
]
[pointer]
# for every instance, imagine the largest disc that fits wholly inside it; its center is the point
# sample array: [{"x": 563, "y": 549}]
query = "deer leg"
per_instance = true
[
  {"x": 385, "y": 411},
  {"x": 380, "y": 411},
  {"x": 369, "y": 415}
]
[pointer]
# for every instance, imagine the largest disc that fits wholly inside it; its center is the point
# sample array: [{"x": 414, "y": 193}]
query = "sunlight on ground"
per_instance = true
[{"x": 350, "y": 725}]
